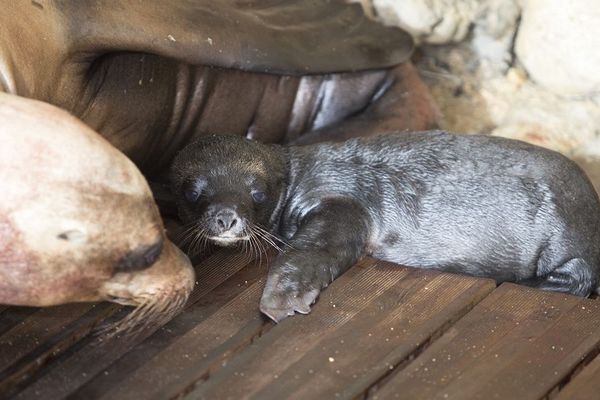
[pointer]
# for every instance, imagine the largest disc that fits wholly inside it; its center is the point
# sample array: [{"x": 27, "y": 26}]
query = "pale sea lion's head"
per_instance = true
[
  {"x": 77, "y": 219},
  {"x": 228, "y": 189}
]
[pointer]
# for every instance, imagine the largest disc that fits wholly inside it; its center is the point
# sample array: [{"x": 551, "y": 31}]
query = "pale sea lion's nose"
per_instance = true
[{"x": 140, "y": 258}]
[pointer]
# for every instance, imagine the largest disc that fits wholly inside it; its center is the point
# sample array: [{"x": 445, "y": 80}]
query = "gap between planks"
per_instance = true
[
  {"x": 585, "y": 385},
  {"x": 54, "y": 351},
  {"x": 201, "y": 351},
  {"x": 518, "y": 342},
  {"x": 365, "y": 309},
  {"x": 136, "y": 368}
]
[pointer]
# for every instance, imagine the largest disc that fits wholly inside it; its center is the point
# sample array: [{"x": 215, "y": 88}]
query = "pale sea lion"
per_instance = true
[
  {"x": 478, "y": 205},
  {"x": 77, "y": 219}
]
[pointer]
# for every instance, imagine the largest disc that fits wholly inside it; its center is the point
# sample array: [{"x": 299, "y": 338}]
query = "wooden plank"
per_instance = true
[
  {"x": 364, "y": 325},
  {"x": 14, "y": 376},
  {"x": 204, "y": 347},
  {"x": 76, "y": 367},
  {"x": 201, "y": 351},
  {"x": 13, "y": 316},
  {"x": 517, "y": 343},
  {"x": 199, "y": 370},
  {"x": 30, "y": 336},
  {"x": 585, "y": 385},
  {"x": 35, "y": 330},
  {"x": 380, "y": 338},
  {"x": 124, "y": 377}
]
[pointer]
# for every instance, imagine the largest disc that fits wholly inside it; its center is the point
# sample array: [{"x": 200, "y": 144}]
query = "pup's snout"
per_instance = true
[
  {"x": 140, "y": 258},
  {"x": 228, "y": 220}
]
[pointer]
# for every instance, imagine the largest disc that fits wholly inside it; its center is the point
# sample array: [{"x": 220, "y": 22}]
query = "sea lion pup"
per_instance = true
[
  {"x": 478, "y": 205},
  {"x": 77, "y": 220}
]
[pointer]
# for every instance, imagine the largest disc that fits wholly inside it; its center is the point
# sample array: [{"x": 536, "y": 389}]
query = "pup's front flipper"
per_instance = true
[
  {"x": 285, "y": 295},
  {"x": 294, "y": 286},
  {"x": 329, "y": 240}
]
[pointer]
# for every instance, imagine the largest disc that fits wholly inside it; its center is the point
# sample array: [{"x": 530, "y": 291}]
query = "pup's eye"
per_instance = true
[
  {"x": 259, "y": 197},
  {"x": 191, "y": 195}
]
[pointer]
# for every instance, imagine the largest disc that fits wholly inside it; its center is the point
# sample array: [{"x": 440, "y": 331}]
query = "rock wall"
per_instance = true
[{"x": 526, "y": 69}]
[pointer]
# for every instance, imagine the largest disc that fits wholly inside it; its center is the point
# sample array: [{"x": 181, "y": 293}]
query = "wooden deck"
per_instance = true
[{"x": 380, "y": 331}]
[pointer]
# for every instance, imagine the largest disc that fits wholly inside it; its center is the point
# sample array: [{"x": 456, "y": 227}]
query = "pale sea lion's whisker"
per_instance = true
[
  {"x": 194, "y": 242},
  {"x": 150, "y": 314},
  {"x": 247, "y": 244},
  {"x": 190, "y": 236},
  {"x": 259, "y": 243},
  {"x": 202, "y": 242},
  {"x": 187, "y": 228},
  {"x": 278, "y": 239},
  {"x": 251, "y": 246},
  {"x": 256, "y": 236},
  {"x": 262, "y": 245}
]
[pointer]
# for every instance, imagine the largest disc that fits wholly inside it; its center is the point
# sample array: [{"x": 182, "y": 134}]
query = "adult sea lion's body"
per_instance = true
[
  {"x": 152, "y": 76},
  {"x": 477, "y": 205}
]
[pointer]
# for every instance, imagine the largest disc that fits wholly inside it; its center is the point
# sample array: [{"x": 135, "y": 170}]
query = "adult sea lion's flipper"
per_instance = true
[
  {"x": 291, "y": 37},
  {"x": 402, "y": 103}
]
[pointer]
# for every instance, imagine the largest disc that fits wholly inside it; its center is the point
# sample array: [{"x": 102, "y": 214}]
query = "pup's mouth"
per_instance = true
[{"x": 228, "y": 240}]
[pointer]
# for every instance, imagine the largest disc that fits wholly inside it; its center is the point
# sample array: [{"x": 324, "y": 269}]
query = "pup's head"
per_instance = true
[{"x": 228, "y": 188}]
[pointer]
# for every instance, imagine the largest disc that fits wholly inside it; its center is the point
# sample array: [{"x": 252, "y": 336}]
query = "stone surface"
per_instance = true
[
  {"x": 559, "y": 44},
  {"x": 428, "y": 21},
  {"x": 473, "y": 99},
  {"x": 493, "y": 34},
  {"x": 544, "y": 90}
]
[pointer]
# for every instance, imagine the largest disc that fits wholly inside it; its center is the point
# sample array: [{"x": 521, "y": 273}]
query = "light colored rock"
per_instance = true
[
  {"x": 481, "y": 87},
  {"x": 493, "y": 35},
  {"x": 521, "y": 109},
  {"x": 508, "y": 104},
  {"x": 429, "y": 21},
  {"x": 449, "y": 21},
  {"x": 559, "y": 44}
]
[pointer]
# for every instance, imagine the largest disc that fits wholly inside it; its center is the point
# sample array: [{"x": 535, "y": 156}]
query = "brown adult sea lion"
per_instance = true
[
  {"x": 152, "y": 76},
  {"x": 77, "y": 219}
]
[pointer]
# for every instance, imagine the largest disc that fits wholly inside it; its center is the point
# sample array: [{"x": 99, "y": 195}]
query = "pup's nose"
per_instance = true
[
  {"x": 140, "y": 258},
  {"x": 227, "y": 219}
]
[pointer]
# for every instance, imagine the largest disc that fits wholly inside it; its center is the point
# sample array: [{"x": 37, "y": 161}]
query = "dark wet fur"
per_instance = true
[{"x": 477, "y": 205}]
